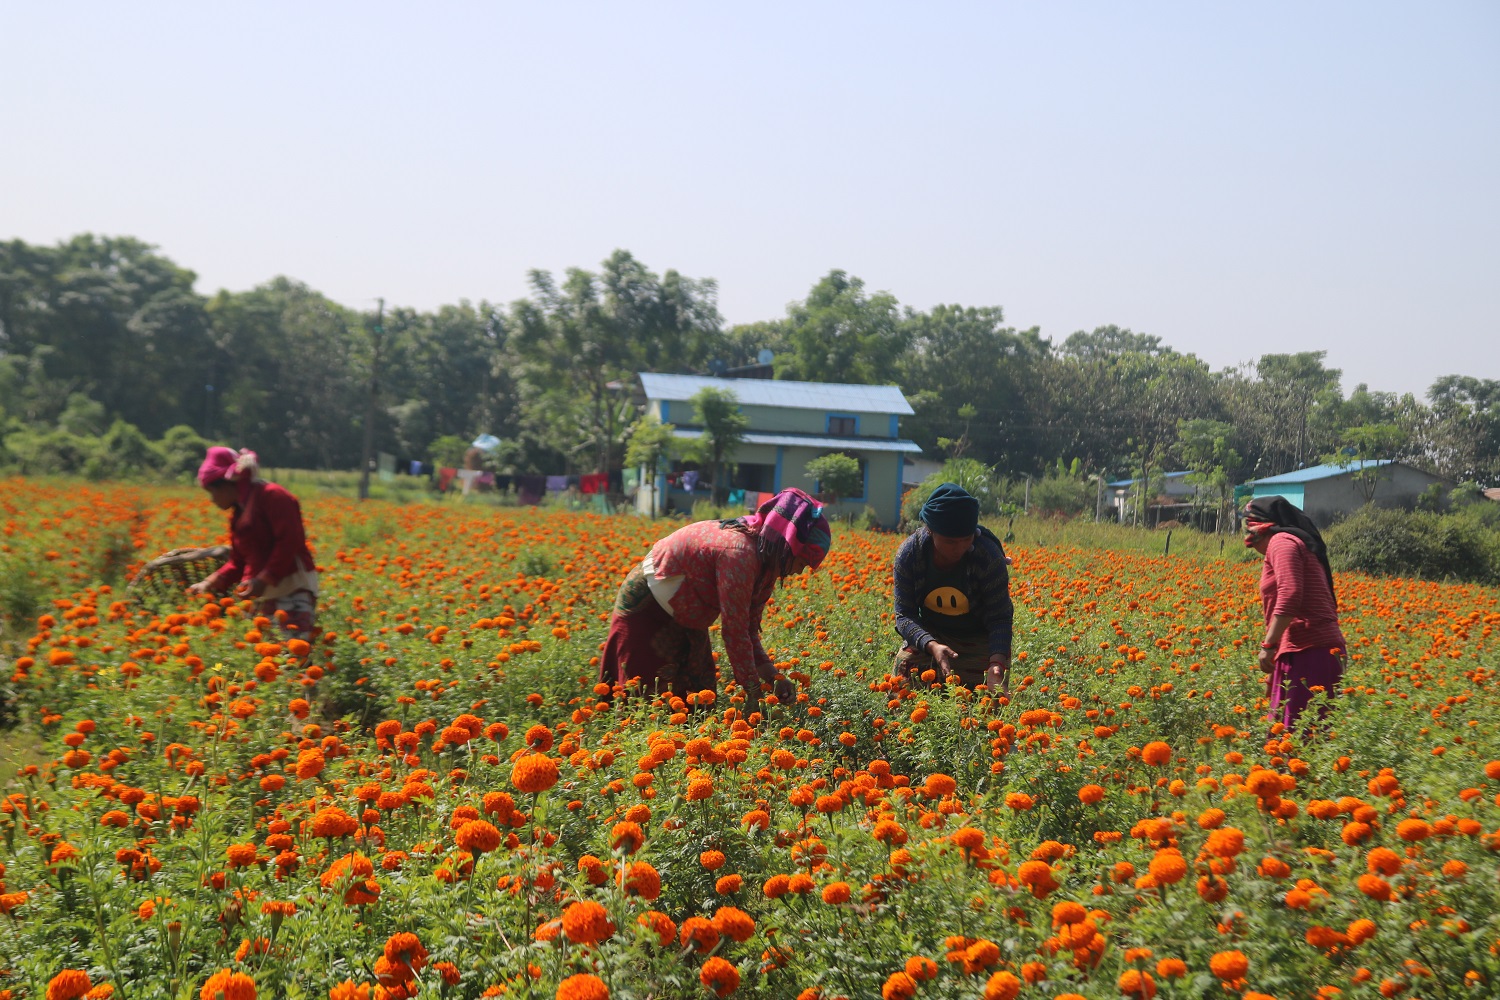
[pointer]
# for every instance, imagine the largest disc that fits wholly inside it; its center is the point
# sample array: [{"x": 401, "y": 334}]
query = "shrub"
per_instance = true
[
  {"x": 976, "y": 477},
  {"x": 1406, "y": 543},
  {"x": 1062, "y": 495}
]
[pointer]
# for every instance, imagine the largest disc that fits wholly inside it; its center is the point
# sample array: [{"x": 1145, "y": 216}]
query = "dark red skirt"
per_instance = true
[{"x": 647, "y": 652}]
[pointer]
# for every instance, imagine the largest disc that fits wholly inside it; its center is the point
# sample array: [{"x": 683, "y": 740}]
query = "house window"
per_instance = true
[{"x": 843, "y": 426}]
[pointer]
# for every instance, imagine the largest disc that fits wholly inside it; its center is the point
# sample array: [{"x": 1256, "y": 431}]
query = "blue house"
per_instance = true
[
  {"x": 791, "y": 423},
  {"x": 1328, "y": 492}
]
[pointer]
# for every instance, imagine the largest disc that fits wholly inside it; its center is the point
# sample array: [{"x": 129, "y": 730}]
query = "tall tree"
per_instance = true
[
  {"x": 717, "y": 411},
  {"x": 842, "y": 334},
  {"x": 962, "y": 357}
]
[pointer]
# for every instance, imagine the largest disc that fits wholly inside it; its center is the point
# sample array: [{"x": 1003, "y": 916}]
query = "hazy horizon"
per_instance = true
[{"x": 1235, "y": 182}]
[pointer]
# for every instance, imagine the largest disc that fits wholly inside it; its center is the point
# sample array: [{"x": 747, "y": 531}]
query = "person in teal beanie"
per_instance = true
[{"x": 952, "y": 585}]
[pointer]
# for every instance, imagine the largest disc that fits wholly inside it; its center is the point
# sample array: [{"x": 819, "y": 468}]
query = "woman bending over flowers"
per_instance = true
[
  {"x": 269, "y": 559},
  {"x": 658, "y": 634}
]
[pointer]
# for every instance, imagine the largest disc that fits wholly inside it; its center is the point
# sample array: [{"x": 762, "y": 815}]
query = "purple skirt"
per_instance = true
[{"x": 1290, "y": 685}]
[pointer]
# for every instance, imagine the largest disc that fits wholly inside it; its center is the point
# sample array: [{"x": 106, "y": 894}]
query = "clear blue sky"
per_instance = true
[{"x": 1234, "y": 178}]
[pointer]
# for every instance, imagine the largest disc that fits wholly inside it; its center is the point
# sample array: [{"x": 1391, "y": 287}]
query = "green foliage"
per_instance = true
[
  {"x": 447, "y": 452},
  {"x": 837, "y": 475},
  {"x": 717, "y": 411},
  {"x": 976, "y": 477},
  {"x": 842, "y": 334},
  {"x": 97, "y": 329},
  {"x": 1461, "y": 546},
  {"x": 1066, "y": 495}
]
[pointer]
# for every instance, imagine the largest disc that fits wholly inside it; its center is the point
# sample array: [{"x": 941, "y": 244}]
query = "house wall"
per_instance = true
[
  {"x": 882, "y": 482},
  {"x": 1334, "y": 497},
  {"x": 785, "y": 420}
]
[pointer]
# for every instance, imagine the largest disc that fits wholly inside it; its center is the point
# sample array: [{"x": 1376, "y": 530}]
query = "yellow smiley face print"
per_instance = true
[{"x": 947, "y": 601}]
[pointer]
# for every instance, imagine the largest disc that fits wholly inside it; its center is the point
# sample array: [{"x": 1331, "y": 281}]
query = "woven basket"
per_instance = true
[{"x": 171, "y": 573}]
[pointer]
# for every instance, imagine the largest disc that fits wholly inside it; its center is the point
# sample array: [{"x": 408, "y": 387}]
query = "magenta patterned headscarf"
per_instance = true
[
  {"x": 798, "y": 518},
  {"x": 226, "y": 463}
]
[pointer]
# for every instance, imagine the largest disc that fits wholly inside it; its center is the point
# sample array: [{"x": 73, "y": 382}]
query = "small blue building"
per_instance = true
[
  {"x": 1328, "y": 492},
  {"x": 791, "y": 423}
]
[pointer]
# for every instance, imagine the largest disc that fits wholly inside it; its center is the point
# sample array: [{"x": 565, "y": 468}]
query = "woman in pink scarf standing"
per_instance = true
[
  {"x": 658, "y": 635},
  {"x": 1302, "y": 653},
  {"x": 269, "y": 559}
]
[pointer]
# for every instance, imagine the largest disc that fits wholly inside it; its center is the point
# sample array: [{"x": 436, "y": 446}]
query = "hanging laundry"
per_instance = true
[
  {"x": 531, "y": 489},
  {"x": 595, "y": 482},
  {"x": 502, "y": 483},
  {"x": 445, "y": 476},
  {"x": 467, "y": 477},
  {"x": 416, "y": 467},
  {"x": 556, "y": 484},
  {"x": 690, "y": 481},
  {"x": 736, "y": 497},
  {"x": 630, "y": 480},
  {"x": 486, "y": 481}
]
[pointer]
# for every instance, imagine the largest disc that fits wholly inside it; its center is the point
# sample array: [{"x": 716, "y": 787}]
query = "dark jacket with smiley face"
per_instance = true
[{"x": 982, "y": 577}]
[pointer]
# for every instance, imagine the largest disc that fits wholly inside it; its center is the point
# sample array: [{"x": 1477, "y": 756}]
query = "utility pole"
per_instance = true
[{"x": 377, "y": 346}]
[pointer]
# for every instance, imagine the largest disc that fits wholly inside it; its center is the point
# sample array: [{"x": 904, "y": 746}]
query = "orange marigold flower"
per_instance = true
[
  {"x": 1413, "y": 830},
  {"x": 1273, "y": 868},
  {"x": 728, "y": 885},
  {"x": 332, "y": 821},
  {"x": 938, "y": 786},
  {"x": 1036, "y": 876},
  {"x": 1171, "y": 968},
  {"x": 1360, "y": 931},
  {"x": 898, "y": 986},
  {"x": 405, "y": 949},
  {"x": 1138, "y": 984},
  {"x": 627, "y": 837},
  {"x": 835, "y": 893},
  {"x": 699, "y": 933},
  {"x": 1374, "y": 886},
  {"x": 227, "y": 985},
  {"x": 1168, "y": 867},
  {"x": 720, "y": 976},
  {"x": 735, "y": 924},
  {"x": 1156, "y": 753},
  {"x": 1019, "y": 801},
  {"x": 1229, "y": 965},
  {"x": 582, "y": 987},
  {"x": 534, "y": 773},
  {"x": 776, "y": 886},
  {"x": 712, "y": 860},
  {"x": 1091, "y": 794},
  {"x": 920, "y": 968},
  {"x": 1002, "y": 986},
  {"x": 1384, "y": 861},
  {"x": 478, "y": 836},
  {"x": 659, "y": 924},
  {"x": 240, "y": 855},
  {"x": 642, "y": 880},
  {"x": 1225, "y": 842},
  {"x": 587, "y": 922},
  {"x": 980, "y": 955},
  {"x": 69, "y": 984}
]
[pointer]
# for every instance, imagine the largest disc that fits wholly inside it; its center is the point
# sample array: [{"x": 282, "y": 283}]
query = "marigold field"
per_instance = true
[{"x": 432, "y": 799}]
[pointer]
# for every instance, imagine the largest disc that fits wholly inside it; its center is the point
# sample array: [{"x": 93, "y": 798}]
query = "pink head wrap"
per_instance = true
[
  {"x": 226, "y": 463},
  {"x": 798, "y": 518}
]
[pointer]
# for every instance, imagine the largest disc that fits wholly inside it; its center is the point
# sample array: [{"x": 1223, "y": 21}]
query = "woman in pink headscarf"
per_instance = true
[
  {"x": 658, "y": 634},
  {"x": 269, "y": 561}
]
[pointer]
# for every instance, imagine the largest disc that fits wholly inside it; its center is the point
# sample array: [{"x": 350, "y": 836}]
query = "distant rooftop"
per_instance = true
[
  {"x": 1122, "y": 483},
  {"x": 1316, "y": 472},
  {"x": 820, "y": 441},
  {"x": 835, "y": 396}
]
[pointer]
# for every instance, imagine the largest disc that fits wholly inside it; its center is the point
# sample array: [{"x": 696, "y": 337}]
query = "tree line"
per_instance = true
[{"x": 105, "y": 336}]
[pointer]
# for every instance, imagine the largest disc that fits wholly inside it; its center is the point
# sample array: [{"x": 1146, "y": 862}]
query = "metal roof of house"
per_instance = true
[
  {"x": 1319, "y": 472},
  {"x": 819, "y": 441},
  {"x": 1131, "y": 482},
  {"x": 780, "y": 392}
]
